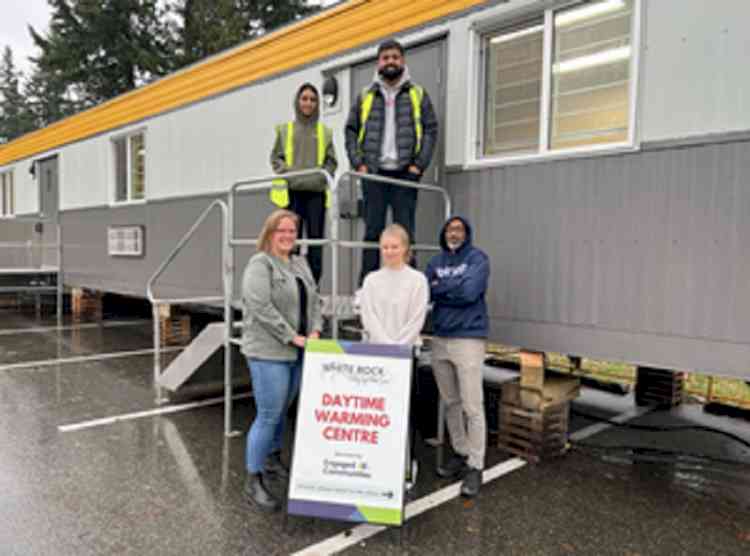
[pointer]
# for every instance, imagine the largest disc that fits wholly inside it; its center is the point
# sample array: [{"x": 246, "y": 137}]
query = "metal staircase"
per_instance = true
[{"x": 221, "y": 334}]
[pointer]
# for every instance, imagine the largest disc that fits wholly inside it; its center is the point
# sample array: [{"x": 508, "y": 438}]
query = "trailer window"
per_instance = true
[
  {"x": 7, "y": 194},
  {"x": 559, "y": 82},
  {"x": 130, "y": 167},
  {"x": 591, "y": 75},
  {"x": 514, "y": 89}
]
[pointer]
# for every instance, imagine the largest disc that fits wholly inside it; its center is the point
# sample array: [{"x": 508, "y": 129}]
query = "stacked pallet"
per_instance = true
[
  {"x": 9, "y": 301},
  {"x": 175, "y": 330},
  {"x": 659, "y": 387},
  {"x": 534, "y": 411},
  {"x": 86, "y": 304},
  {"x": 534, "y": 434}
]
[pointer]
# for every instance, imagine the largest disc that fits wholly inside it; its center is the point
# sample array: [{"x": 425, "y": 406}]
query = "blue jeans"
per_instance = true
[{"x": 275, "y": 385}]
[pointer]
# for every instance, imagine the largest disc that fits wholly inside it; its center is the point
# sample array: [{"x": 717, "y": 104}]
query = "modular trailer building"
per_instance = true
[{"x": 601, "y": 150}]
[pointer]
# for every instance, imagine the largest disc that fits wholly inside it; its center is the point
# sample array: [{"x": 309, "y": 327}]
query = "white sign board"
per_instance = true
[{"x": 352, "y": 426}]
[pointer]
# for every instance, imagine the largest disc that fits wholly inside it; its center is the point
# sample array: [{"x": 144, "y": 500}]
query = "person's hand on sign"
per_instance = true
[
  {"x": 315, "y": 335},
  {"x": 299, "y": 341}
]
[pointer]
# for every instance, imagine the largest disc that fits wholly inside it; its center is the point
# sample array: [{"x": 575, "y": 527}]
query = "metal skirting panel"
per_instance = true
[
  {"x": 590, "y": 255},
  {"x": 19, "y": 244},
  {"x": 195, "y": 272}
]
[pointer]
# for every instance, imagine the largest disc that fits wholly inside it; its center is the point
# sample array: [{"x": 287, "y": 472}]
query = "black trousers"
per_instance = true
[
  {"x": 310, "y": 207},
  {"x": 378, "y": 196}
]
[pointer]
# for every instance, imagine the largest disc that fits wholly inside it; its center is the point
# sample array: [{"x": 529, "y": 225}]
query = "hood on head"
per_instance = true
[
  {"x": 312, "y": 119},
  {"x": 467, "y": 242}
]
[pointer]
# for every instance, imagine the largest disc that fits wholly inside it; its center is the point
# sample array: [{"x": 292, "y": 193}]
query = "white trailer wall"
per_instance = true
[
  {"x": 25, "y": 188},
  {"x": 695, "y": 68}
]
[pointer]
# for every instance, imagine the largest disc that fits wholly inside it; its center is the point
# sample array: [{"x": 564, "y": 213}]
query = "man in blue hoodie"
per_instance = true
[{"x": 458, "y": 279}]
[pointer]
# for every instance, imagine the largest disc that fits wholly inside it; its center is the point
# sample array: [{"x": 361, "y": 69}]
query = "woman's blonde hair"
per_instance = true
[
  {"x": 399, "y": 232},
  {"x": 270, "y": 225}
]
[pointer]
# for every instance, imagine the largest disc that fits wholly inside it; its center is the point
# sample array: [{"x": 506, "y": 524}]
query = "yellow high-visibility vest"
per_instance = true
[
  {"x": 416, "y": 93},
  {"x": 279, "y": 193}
]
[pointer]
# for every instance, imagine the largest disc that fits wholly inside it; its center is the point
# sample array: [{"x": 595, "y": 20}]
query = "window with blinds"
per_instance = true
[
  {"x": 574, "y": 94},
  {"x": 591, "y": 75},
  {"x": 514, "y": 89}
]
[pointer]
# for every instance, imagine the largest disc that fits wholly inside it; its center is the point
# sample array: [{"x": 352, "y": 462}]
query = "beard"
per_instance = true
[
  {"x": 454, "y": 245},
  {"x": 391, "y": 72}
]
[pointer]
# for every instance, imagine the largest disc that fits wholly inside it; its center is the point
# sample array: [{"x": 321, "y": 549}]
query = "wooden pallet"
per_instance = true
[
  {"x": 175, "y": 330},
  {"x": 86, "y": 304},
  {"x": 659, "y": 387},
  {"x": 534, "y": 435},
  {"x": 9, "y": 301}
]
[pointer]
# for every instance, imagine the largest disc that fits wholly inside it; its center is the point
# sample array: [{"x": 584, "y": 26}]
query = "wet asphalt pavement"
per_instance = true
[{"x": 173, "y": 484}]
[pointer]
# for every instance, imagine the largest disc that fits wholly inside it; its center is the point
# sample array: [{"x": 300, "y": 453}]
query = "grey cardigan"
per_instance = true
[{"x": 270, "y": 300}]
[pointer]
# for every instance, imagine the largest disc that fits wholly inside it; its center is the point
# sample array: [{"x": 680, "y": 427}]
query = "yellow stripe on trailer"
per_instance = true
[{"x": 351, "y": 25}]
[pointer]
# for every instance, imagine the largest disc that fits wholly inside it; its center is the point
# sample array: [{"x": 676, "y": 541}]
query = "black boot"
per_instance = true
[
  {"x": 257, "y": 493},
  {"x": 471, "y": 483},
  {"x": 454, "y": 467},
  {"x": 274, "y": 466}
]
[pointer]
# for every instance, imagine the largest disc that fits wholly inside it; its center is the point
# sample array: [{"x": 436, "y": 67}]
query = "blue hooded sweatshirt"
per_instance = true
[{"x": 458, "y": 283}]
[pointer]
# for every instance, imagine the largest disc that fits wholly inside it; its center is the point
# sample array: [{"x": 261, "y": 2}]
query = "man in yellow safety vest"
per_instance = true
[
  {"x": 303, "y": 144},
  {"x": 391, "y": 131}
]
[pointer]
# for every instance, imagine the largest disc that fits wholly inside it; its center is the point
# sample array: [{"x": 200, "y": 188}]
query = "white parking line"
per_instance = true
[
  {"x": 147, "y": 413},
  {"x": 40, "y": 329},
  {"x": 84, "y": 358},
  {"x": 599, "y": 427},
  {"x": 357, "y": 534}
]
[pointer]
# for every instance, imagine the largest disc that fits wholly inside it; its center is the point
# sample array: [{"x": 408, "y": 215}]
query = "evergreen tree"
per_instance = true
[
  {"x": 48, "y": 98},
  {"x": 15, "y": 118},
  {"x": 103, "y": 48},
  {"x": 267, "y": 15},
  {"x": 210, "y": 26}
]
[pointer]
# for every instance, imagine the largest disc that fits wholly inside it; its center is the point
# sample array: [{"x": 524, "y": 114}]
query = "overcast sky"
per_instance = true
[{"x": 16, "y": 15}]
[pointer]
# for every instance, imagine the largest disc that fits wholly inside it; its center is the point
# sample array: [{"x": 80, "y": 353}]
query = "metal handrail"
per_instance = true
[
  {"x": 227, "y": 282},
  {"x": 375, "y": 245},
  {"x": 263, "y": 183},
  {"x": 59, "y": 287},
  {"x": 334, "y": 227},
  {"x": 229, "y": 242},
  {"x": 404, "y": 183},
  {"x": 188, "y": 235}
]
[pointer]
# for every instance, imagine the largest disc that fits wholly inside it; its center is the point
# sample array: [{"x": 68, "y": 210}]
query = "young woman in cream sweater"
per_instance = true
[{"x": 393, "y": 302}]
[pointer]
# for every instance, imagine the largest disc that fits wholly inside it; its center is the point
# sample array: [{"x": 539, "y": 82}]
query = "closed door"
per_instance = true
[{"x": 47, "y": 173}]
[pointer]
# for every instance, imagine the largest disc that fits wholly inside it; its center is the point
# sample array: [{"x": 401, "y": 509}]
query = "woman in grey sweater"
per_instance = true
[{"x": 281, "y": 310}]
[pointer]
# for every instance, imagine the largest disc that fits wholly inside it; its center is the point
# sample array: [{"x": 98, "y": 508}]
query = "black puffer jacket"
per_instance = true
[{"x": 368, "y": 152}]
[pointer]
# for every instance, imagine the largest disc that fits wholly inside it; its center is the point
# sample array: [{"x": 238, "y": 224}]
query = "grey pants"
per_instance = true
[{"x": 457, "y": 364}]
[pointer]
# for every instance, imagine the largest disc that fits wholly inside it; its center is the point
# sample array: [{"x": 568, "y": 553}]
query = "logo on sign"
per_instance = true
[
  {"x": 347, "y": 468},
  {"x": 359, "y": 374}
]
